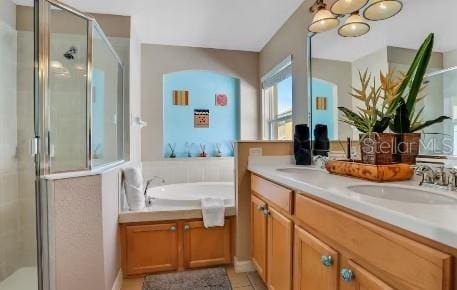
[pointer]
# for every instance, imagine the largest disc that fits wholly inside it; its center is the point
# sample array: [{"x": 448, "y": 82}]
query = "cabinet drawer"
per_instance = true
[
  {"x": 280, "y": 196},
  {"x": 404, "y": 263}
]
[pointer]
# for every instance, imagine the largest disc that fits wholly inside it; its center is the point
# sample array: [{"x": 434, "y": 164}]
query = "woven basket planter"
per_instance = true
[
  {"x": 378, "y": 148},
  {"x": 408, "y": 147}
]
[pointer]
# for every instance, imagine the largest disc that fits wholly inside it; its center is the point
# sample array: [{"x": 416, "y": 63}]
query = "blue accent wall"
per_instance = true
[
  {"x": 326, "y": 117},
  {"x": 178, "y": 125}
]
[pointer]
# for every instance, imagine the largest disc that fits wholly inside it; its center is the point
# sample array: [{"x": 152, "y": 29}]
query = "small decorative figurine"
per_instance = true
[
  {"x": 172, "y": 149},
  {"x": 189, "y": 149},
  {"x": 203, "y": 150},
  {"x": 218, "y": 150}
]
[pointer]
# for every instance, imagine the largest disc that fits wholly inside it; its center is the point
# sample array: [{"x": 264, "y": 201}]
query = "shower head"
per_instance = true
[{"x": 70, "y": 54}]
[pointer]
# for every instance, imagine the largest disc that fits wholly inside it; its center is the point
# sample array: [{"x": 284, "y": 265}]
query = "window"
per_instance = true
[{"x": 277, "y": 102}]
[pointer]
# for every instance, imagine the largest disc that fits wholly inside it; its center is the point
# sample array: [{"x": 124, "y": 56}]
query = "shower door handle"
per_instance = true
[{"x": 34, "y": 146}]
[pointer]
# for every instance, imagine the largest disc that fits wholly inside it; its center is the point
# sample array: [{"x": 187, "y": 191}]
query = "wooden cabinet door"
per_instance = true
[
  {"x": 315, "y": 263},
  {"x": 151, "y": 248},
  {"x": 355, "y": 277},
  {"x": 279, "y": 257},
  {"x": 206, "y": 247},
  {"x": 259, "y": 236}
]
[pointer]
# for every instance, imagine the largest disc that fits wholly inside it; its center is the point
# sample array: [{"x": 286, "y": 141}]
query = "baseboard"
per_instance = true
[
  {"x": 118, "y": 282},
  {"x": 242, "y": 266}
]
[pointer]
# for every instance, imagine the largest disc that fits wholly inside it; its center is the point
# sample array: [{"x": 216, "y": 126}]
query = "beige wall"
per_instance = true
[
  {"x": 243, "y": 190},
  {"x": 157, "y": 60},
  {"x": 134, "y": 93},
  {"x": 450, "y": 59},
  {"x": 291, "y": 40},
  {"x": 340, "y": 74}
]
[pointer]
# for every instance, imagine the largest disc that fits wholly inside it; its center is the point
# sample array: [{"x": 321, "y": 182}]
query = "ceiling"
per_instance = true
[
  {"x": 226, "y": 24},
  {"x": 408, "y": 29}
]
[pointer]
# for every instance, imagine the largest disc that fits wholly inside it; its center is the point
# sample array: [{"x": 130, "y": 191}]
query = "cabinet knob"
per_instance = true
[
  {"x": 173, "y": 229},
  {"x": 260, "y": 207},
  {"x": 347, "y": 275},
  {"x": 266, "y": 212},
  {"x": 186, "y": 227},
  {"x": 327, "y": 261}
]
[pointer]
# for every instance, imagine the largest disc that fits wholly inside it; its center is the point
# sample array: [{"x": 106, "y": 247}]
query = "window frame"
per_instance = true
[{"x": 270, "y": 118}]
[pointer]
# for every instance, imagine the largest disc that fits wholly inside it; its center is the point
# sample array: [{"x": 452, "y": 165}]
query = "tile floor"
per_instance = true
[{"x": 239, "y": 281}]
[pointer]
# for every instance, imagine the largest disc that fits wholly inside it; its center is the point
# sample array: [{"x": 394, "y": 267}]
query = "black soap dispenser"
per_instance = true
[
  {"x": 302, "y": 145},
  {"x": 321, "y": 142}
]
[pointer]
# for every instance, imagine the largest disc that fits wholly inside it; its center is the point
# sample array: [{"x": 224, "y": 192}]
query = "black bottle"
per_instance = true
[
  {"x": 321, "y": 141},
  {"x": 302, "y": 145}
]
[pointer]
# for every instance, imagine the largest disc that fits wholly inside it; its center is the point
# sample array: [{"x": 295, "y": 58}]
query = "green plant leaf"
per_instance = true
[
  {"x": 420, "y": 126},
  {"x": 401, "y": 123},
  {"x": 420, "y": 60},
  {"x": 381, "y": 125}
]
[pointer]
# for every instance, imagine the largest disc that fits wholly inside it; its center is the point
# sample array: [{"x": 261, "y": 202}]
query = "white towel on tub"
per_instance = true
[
  {"x": 134, "y": 192},
  {"x": 213, "y": 212}
]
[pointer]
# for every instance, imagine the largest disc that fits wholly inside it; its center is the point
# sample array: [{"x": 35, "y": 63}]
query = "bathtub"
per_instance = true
[
  {"x": 190, "y": 194},
  {"x": 181, "y": 201}
]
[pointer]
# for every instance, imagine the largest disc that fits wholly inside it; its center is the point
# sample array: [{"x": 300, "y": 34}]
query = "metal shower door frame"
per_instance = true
[{"x": 40, "y": 141}]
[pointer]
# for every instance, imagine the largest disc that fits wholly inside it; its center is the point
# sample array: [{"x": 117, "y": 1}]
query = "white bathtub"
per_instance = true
[
  {"x": 181, "y": 201},
  {"x": 190, "y": 194}
]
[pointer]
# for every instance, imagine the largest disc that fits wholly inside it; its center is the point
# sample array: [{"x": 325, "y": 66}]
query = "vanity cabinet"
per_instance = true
[
  {"x": 315, "y": 263},
  {"x": 259, "y": 236},
  {"x": 271, "y": 233},
  {"x": 152, "y": 247},
  {"x": 279, "y": 244},
  {"x": 355, "y": 277},
  {"x": 336, "y": 249},
  {"x": 206, "y": 247}
]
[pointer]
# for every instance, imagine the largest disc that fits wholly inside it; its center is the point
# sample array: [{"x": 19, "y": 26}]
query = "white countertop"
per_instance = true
[{"x": 436, "y": 222}]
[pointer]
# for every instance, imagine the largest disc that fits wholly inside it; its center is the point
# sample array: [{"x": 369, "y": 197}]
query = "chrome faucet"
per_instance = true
[
  {"x": 320, "y": 160},
  {"x": 148, "y": 183},
  {"x": 427, "y": 173},
  {"x": 441, "y": 177}
]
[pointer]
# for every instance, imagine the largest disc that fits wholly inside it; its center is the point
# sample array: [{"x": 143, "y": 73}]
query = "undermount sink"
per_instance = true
[
  {"x": 403, "y": 194},
  {"x": 297, "y": 170}
]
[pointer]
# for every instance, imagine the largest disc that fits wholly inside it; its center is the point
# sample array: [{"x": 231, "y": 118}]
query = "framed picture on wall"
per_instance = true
[
  {"x": 201, "y": 118},
  {"x": 221, "y": 100}
]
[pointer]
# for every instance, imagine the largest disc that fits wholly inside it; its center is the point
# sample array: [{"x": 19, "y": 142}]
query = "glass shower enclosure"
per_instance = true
[{"x": 61, "y": 110}]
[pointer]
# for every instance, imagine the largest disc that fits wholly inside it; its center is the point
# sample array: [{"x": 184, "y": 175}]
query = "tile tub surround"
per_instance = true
[
  {"x": 186, "y": 170},
  {"x": 435, "y": 222}
]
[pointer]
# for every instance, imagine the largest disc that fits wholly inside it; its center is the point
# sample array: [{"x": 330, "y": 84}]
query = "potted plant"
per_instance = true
[
  {"x": 406, "y": 121},
  {"x": 372, "y": 119}
]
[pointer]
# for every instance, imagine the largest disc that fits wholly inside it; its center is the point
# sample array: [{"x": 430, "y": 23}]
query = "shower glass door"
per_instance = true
[
  {"x": 67, "y": 126},
  {"x": 18, "y": 238}
]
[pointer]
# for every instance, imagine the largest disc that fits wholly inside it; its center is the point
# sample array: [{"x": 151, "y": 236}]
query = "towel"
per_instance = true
[
  {"x": 133, "y": 184},
  {"x": 213, "y": 212}
]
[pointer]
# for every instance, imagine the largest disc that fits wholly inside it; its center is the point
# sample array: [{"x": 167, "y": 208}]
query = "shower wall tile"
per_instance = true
[{"x": 10, "y": 232}]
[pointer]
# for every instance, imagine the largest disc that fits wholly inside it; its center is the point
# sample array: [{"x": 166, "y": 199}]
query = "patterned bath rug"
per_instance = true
[{"x": 205, "y": 279}]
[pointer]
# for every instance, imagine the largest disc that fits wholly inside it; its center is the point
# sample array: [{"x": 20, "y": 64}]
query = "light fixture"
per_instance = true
[
  {"x": 354, "y": 26},
  {"x": 382, "y": 9},
  {"x": 341, "y": 7},
  {"x": 323, "y": 20}
]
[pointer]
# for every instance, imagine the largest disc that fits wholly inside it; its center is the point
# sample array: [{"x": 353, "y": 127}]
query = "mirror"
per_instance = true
[{"x": 390, "y": 45}]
